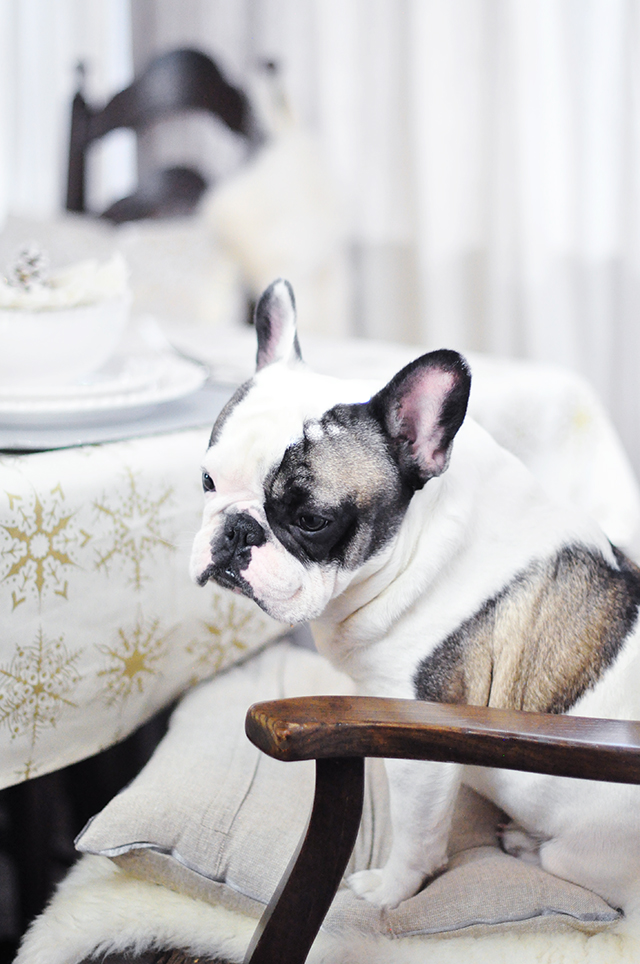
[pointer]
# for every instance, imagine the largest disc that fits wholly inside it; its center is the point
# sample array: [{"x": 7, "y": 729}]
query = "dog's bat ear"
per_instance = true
[
  {"x": 421, "y": 409},
  {"x": 276, "y": 325}
]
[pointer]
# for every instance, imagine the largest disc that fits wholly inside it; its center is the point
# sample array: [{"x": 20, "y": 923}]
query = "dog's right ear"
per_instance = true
[{"x": 276, "y": 326}]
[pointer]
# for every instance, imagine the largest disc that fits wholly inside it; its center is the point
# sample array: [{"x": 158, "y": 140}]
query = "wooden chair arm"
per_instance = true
[
  {"x": 339, "y": 731},
  {"x": 323, "y": 727}
]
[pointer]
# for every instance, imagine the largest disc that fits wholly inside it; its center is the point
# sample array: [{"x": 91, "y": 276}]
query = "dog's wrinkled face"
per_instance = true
[{"x": 307, "y": 477}]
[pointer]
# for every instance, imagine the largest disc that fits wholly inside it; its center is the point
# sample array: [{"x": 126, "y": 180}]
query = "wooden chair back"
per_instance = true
[{"x": 180, "y": 80}]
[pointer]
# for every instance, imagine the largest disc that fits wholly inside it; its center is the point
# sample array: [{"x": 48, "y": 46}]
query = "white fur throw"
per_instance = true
[{"x": 99, "y": 909}]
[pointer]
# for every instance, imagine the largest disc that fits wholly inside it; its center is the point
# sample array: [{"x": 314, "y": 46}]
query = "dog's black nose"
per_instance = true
[
  {"x": 231, "y": 552},
  {"x": 240, "y": 533}
]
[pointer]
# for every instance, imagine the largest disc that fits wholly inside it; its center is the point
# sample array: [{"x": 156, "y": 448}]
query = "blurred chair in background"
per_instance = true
[{"x": 177, "y": 81}]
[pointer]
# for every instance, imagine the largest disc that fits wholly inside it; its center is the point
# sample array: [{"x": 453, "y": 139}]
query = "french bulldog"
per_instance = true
[{"x": 432, "y": 567}]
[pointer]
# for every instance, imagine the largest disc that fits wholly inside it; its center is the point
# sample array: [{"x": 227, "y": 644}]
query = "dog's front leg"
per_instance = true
[{"x": 421, "y": 798}]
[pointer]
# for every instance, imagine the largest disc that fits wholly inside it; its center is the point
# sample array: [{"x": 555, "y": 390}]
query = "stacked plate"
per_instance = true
[{"x": 146, "y": 388}]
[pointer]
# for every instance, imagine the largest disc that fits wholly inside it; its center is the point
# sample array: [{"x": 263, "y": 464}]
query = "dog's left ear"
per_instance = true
[
  {"x": 421, "y": 409},
  {"x": 276, "y": 325}
]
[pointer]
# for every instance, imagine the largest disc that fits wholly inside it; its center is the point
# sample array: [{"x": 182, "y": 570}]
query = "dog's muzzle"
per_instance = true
[{"x": 231, "y": 551}]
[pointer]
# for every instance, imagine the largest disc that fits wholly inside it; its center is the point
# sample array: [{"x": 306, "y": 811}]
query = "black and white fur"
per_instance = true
[{"x": 431, "y": 569}]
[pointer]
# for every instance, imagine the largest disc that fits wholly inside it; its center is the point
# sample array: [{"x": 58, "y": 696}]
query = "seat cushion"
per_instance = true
[{"x": 212, "y": 817}]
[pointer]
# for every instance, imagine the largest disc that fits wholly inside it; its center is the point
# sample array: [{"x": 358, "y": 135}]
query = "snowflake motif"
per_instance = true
[
  {"x": 133, "y": 661},
  {"x": 135, "y": 524},
  {"x": 35, "y": 687},
  {"x": 229, "y": 633},
  {"x": 39, "y": 541}
]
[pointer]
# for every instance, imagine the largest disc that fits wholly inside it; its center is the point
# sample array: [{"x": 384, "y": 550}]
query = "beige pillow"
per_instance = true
[{"x": 212, "y": 817}]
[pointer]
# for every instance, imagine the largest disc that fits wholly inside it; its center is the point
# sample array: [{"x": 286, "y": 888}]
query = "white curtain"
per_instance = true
[
  {"x": 527, "y": 116},
  {"x": 490, "y": 150},
  {"x": 41, "y": 42}
]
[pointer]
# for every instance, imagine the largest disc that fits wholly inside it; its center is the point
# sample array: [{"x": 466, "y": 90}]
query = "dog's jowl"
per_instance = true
[{"x": 432, "y": 566}]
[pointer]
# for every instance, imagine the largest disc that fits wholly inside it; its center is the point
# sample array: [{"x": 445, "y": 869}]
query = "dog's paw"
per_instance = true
[
  {"x": 381, "y": 889},
  {"x": 518, "y": 843}
]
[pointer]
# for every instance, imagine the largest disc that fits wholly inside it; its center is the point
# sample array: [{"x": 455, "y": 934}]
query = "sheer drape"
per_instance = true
[
  {"x": 41, "y": 41},
  {"x": 528, "y": 166}
]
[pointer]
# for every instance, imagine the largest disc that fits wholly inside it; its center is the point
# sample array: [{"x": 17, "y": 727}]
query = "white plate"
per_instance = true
[
  {"x": 150, "y": 374},
  {"x": 37, "y": 434}
]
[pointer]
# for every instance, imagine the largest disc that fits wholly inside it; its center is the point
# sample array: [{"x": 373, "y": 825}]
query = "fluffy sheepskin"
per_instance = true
[{"x": 99, "y": 909}]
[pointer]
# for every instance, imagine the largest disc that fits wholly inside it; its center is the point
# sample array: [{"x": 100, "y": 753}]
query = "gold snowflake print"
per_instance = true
[
  {"x": 38, "y": 542},
  {"x": 135, "y": 524},
  {"x": 133, "y": 661},
  {"x": 36, "y": 686},
  {"x": 228, "y": 634}
]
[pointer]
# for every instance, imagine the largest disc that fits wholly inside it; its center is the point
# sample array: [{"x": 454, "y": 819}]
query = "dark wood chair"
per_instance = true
[
  {"x": 339, "y": 732},
  {"x": 178, "y": 81}
]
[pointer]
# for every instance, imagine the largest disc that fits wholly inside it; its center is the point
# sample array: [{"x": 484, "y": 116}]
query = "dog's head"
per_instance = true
[{"x": 308, "y": 477}]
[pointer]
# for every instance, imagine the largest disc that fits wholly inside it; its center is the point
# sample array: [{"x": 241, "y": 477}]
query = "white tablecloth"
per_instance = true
[{"x": 101, "y": 625}]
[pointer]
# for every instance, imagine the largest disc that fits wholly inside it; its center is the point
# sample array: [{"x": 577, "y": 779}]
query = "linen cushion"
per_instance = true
[{"x": 212, "y": 817}]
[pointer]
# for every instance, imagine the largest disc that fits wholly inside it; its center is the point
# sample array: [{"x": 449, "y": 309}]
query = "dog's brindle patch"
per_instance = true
[
  {"x": 341, "y": 470},
  {"x": 542, "y": 641}
]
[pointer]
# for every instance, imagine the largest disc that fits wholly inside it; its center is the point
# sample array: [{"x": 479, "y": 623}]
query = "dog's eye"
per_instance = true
[
  {"x": 207, "y": 483},
  {"x": 312, "y": 523}
]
